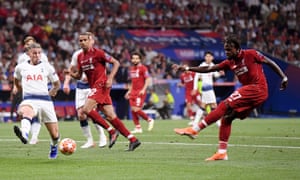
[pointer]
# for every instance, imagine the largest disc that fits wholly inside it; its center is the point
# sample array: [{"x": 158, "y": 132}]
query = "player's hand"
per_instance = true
[
  {"x": 284, "y": 83},
  {"x": 52, "y": 92}
]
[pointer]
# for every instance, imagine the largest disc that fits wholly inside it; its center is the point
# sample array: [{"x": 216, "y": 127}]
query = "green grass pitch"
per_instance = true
[{"x": 259, "y": 149}]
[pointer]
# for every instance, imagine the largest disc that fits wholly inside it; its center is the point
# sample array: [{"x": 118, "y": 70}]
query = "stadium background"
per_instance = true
[{"x": 164, "y": 31}]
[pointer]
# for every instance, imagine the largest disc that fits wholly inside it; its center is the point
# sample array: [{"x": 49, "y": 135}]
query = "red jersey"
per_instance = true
[
  {"x": 138, "y": 75},
  {"x": 92, "y": 63},
  {"x": 187, "y": 78},
  {"x": 248, "y": 68}
]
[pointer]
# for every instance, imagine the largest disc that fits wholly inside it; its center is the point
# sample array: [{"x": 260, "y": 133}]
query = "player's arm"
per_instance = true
[
  {"x": 147, "y": 83},
  {"x": 277, "y": 69},
  {"x": 129, "y": 85},
  {"x": 55, "y": 87},
  {"x": 17, "y": 85},
  {"x": 74, "y": 72},
  {"x": 113, "y": 71},
  {"x": 66, "y": 85},
  {"x": 196, "y": 83},
  {"x": 199, "y": 69}
]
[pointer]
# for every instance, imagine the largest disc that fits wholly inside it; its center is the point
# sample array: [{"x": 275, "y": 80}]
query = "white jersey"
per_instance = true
[
  {"x": 208, "y": 94},
  {"x": 34, "y": 78},
  {"x": 82, "y": 87},
  {"x": 206, "y": 78},
  {"x": 24, "y": 57}
]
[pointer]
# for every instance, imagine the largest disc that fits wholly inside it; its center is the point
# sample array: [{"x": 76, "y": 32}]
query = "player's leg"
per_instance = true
[
  {"x": 89, "y": 109},
  {"x": 35, "y": 130},
  {"x": 51, "y": 123},
  {"x": 86, "y": 129},
  {"x": 80, "y": 97},
  {"x": 27, "y": 112},
  {"x": 209, "y": 119},
  {"x": 102, "y": 136},
  {"x": 110, "y": 114}
]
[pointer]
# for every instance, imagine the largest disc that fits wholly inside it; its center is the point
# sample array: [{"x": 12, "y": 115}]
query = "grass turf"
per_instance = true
[{"x": 259, "y": 149}]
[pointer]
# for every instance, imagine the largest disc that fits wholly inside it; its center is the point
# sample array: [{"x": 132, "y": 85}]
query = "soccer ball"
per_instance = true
[{"x": 67, "y": 146}]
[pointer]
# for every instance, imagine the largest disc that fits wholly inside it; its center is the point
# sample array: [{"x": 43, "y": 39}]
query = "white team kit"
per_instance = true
[
  {"x": 34, "y": 81},
  {"x": 82, "y": 87},
  {"x": 208, "y": 95}
]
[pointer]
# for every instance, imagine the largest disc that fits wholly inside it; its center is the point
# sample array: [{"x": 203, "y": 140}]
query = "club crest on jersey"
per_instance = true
[{"x": 34, "y": 77}]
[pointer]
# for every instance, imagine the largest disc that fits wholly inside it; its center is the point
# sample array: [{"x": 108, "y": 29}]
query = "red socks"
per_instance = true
[{"x": 117, "y": 123}]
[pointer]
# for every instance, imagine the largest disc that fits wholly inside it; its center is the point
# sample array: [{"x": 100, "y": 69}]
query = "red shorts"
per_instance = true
[
  {"x": 193, "y": 98},
  {"x": 137, "y": 100},
  {"x": 246, "y": 98},
  {"x": 101, "y": 95}
]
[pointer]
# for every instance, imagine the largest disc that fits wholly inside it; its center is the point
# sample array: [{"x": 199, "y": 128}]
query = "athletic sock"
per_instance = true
[
  {"x": 98, "y": 119},
  {"x": 117, "y": 123},
  {"x": 86, "y": 130},
  {"x": 135, "y": 119},
  {"x": 143, "y": 115},
  {"x": 25, "y": 126}
]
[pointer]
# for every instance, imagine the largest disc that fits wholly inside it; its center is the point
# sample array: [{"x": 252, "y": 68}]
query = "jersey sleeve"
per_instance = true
[
  {"x": 52, "y": 75},
  {"x": 224, "y": 65},
  {"x": 258, "y": 56},
  {"x": 17, "y": 72}
]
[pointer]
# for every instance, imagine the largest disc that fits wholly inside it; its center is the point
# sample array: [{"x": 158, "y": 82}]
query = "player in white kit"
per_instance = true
[
  {"x": 32, "y": 78},
  {"x": 36, "y": 125},
  {"x": 208, "y": 93},
  {"x": 81, "y": 94}
]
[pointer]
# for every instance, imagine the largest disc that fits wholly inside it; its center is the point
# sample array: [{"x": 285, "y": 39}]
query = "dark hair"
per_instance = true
[
  {"x": 136, "y": 53},
  {"x": 232, "y": 39},
  {"x": 208, "y": 52}
]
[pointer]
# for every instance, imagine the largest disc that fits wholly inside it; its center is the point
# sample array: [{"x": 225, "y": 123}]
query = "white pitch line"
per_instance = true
[{"x": 186, "y": 144}]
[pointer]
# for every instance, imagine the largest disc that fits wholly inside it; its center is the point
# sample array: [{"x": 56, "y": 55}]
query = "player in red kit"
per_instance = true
[
  {"x": 247, "y": 66},
  {"x": 140, "y": 79},
  {"x": 191, "y": 97},
  {"x": 92, "y": 61}
]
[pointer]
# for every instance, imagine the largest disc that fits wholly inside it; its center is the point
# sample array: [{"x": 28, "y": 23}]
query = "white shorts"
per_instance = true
[
  {"x": 209, "y": 97},
  {"x": 43, "y": 109},
  {"x": 81, "y": 96}
]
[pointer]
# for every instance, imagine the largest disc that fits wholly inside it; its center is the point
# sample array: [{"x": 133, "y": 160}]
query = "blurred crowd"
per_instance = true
[{"x": 271, "y": 26}]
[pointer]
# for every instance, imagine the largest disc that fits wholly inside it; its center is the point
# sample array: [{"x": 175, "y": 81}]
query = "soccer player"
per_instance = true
[
  {"x": 191, "y": 97},
  {"x": 208, "y": 97},
  {"x": 35, "y": 123},
  {"x": 140, "y": 80},
  {"x": 82, "y": 91},
  {"x": 32, "y": 78},
  {"x": 92, "y": 61},
  {"x": 248, "y": 67}
]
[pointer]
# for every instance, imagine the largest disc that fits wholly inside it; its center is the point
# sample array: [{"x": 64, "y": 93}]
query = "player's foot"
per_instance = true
[
  {"x": 137, "y": 130},
  {"x": 113, "y": 138},
  {"x": 88, "y": 144},
  {"x": 23, "y": 137},
  {"x": 33, "y": 141},
  {"x": 133, "y": 145},
  {"x": 218, "y": 156},
  {"x": 150, "y": 124},
  {"x": 53, "y": 152},
  {"x": 189, "y": 131},
  {"x": 102, "y": 142}
]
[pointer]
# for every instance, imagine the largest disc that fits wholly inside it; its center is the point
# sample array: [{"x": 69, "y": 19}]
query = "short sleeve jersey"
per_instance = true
[
  {"x": 138, "y": 76},
  {"x": 248, "y": 68},
  {"x": 34, "y": 78},
  {"x": 187, "y": 78},
  {"x": 92, "y": 63}
]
